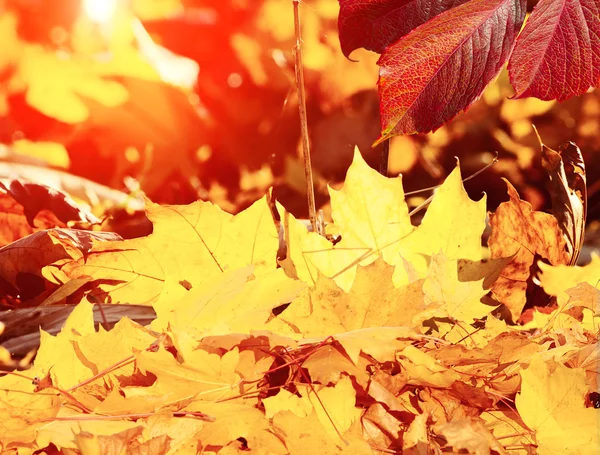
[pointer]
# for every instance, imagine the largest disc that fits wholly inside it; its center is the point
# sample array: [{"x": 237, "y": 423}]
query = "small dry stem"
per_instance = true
[{"x": 299, "y": 70}]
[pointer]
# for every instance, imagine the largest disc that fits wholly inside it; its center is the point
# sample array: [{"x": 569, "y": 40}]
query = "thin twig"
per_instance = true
[{"x": 310, "y": 189}]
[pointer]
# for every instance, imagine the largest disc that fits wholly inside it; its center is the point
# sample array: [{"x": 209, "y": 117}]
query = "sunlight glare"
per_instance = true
[{"x": 100, "y": 10}]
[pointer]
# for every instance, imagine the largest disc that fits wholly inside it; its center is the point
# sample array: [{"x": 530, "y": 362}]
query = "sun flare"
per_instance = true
[{"x": 100, "y": 10}]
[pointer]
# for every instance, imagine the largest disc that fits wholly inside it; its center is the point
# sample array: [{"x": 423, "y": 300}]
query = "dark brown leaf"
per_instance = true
[
  {"x": 568, "y": 190},
  {"x": 35, "y": 198}
]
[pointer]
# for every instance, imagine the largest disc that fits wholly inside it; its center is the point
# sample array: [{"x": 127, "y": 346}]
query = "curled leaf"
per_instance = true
[{"x": 568, "y": 191}]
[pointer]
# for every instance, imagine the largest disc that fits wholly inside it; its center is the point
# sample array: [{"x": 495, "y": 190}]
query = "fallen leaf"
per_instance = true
[
  {"x": 233, "y": 421},
  {"x": 363, "y": 225},
  {"x": 447, "y": 297},
  {"x": 551, "y": 403},
  {"x": 557, "y": 279},
  {"x": 456, "y": 233},
  {"x": 470, "y": 435},
  {"x": 208, "y": 377},
  {"x": 585, "y": 295},
  {"x": 568, "y": 191},
  {"x": 415, "y": 441},
  {"x": 196, "y": 243},
  {"x": 326, "y": 309},
  {"x": 31, "y": 264},
  {"x": 60, "y": 356},
  {"x": 307, "y": 435},
  {"x": 63, "y": 433},
  {"x": 525, "y": 235},
  {"x": 367, "y": 230},
  {"x": 235, "y": 301},
  {"x": 14, "y": 225},
  {"x": 35, "y": 197},
  {"x": 21, "y": 410}
]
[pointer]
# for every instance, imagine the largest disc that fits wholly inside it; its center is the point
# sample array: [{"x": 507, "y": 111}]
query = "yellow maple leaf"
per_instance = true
[
  {"x": 371, "y": 216},
  {"x": 453, "y": 224},
  {"x": 551, "y": 403},
  {"x": 233, "y": 421},
  {"x": 326, "y": 309},
  {"x": 21, "y": 409},
  {"x": 104, "y": 349},
  {"x": 335, "y": 406},
  {"x": 59, "y": 355},
  {"x": 423, "y": 369},
  {"x": 287, "y": 401},
  {"x": 507, "y": 426},
  {"x": 557, "y": 279},
  {"x": 233, "y": 302},
  {"x": 306, "y": 435},
  {"x": 190, "y": 245},
  {"x": 198, "y": 374},
  {"x": 470, "y": 435},
  {"x": 63, "y": 433},
  {"x": 447, "y": 297},
  {"x": 370, "y": 211}
]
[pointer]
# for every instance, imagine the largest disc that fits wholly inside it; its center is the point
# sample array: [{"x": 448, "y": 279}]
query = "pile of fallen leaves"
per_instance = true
[{"x": 378, "y": 337}]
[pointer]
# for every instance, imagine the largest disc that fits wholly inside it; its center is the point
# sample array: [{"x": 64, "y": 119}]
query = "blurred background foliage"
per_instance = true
[{"x": 189, "y": 99}]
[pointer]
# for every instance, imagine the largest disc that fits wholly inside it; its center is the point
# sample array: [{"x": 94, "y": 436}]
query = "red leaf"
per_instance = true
[
  {"x": 376, "y": 24},
  {"x": 558, "y": 53},
  {"x": 441, "y": 67}
]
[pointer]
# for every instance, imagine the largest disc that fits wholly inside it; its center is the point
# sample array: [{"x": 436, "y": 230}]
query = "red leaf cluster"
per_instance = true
[{"x": 438, "y": 57}]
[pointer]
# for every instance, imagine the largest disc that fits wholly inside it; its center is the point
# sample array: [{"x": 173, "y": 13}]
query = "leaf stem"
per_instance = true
[
  {"x": 299, "y": 70},
  {"x": 384, "y": 157}
]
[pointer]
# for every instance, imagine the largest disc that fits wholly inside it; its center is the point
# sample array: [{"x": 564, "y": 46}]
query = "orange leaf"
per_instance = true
[{"x": 524, "y": 235}]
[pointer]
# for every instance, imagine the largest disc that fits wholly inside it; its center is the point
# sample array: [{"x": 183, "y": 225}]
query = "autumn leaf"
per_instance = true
[
  {"x": 423, "y": 369},
  {"x": 416, "y": 438},
  {"x": 203, "y": 375},
  {"x": 21, "y": 410},
  {"x": 63, "y": 433},
  {"x": 456, "y": 233},
  {"x": 480, "y": 32},
  {"x": 470, "y": 435},
  {"x": 192, "y": 244},
  {"x": 556, "y": 54},
  {"x": 568, "y": 191},
  {"x": 14, "y": 225},
  {"x": 388, "y": 232},
  {"x": 233, "y": 421},
  {"x": 33, "y": 266},
  {"x": 234, "y": 302},
  {"x": 586, "y": 295},
  {"x": 307, "y": 435},
  {"x": 557, "y": 279},
  {"x": 367, "y": 230},
  {"x": 35, "y": 198},
  {"x": 326, "y": 309},
  {"x": 60, "y": 356},
  {"x": 551, "y": 403},
  {"x": 376, "y": 228},
  {"x": 525, "y": 235},
  {"x": 375, "y": 25},
  {"x": 447, "y": 297}
]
